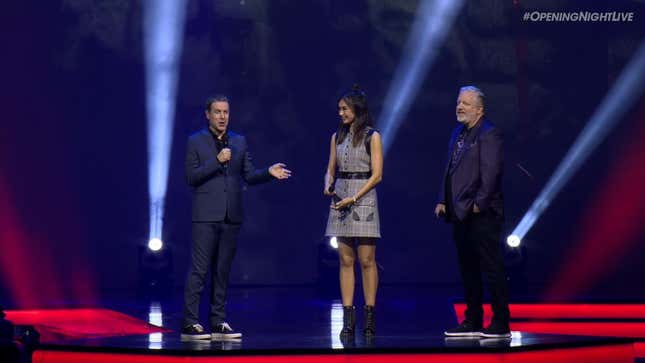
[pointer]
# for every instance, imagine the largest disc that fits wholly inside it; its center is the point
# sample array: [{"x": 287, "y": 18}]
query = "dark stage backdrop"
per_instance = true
[{"x": 73, "y": 175}]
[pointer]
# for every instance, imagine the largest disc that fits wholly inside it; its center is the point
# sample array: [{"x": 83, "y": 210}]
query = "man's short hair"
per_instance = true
[
  {"x": 480, "y": 95},
  {"x": 212, "y": 99}
]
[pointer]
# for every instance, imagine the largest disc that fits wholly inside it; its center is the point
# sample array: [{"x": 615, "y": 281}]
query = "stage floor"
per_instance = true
[
  {"x": 303, "y": 343},
  {"x": 292, "y": 324}
]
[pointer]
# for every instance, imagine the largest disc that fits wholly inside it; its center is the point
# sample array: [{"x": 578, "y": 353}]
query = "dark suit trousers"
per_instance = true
[
  {"x": 478, "y": 248},
  {"x": 214, "y": 245}
]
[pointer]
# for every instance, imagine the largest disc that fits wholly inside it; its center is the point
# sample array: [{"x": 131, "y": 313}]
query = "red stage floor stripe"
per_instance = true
[
  {"x": 567, "y": 311},
  {"x": 608, "y": 329},
  {"x": 620, "y": 353},
  {"x": 80, "y": 323},
  {"x": 576, "y": 311},
  {"x": 639, "y": 350},
  {"x": 579, "y": 311}
]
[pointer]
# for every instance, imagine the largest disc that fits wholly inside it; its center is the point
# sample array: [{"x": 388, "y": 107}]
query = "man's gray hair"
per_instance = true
[{"x": 477, "y": 91}]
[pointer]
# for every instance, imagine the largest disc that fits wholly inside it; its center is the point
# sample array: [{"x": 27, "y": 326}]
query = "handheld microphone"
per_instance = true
[
  {"x": 343, "y": 213},
  {"x": 224, "y": 141},
  {"x": 224, "y": 145},
  {"x": 335, "y": 198}
]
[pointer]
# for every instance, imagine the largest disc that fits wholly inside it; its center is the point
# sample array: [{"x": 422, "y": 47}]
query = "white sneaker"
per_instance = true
[
  {"x": 224, "y": 331},
  {"x": 194, "y": 332}
]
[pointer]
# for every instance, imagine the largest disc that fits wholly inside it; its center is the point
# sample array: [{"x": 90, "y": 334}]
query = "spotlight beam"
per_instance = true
[
  {"x": 163, "y": 26},
  {"x": 433, "y": 20},
  {"x": 625, "y": 92}
]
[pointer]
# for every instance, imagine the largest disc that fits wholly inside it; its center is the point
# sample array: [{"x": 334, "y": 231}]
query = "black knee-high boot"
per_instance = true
[
  {"x": 349, "y": 322},
  {"x": 370, "y": 323}
]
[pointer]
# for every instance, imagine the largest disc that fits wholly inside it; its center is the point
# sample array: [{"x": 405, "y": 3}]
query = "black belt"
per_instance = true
[{"x": 353, "y": 174}]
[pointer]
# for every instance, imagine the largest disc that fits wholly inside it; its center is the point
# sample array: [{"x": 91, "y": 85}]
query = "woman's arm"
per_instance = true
[
  {"x": 331, "y": 166},
  {"x": 376, "y": 151}
]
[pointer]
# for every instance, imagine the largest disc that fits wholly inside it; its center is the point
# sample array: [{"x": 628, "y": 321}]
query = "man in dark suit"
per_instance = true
[
  {"x": 217, "y": 162},
  {"x": 471, "y": 199}
]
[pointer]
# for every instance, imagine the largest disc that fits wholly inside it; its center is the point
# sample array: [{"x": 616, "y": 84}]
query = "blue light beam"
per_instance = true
[
  {"x": 625, "y": 92},
  {"x": 163, "y": 26},
  {"x": 433, "y": 21}
]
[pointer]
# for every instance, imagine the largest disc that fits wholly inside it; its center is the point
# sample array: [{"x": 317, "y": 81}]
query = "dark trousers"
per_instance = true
[
  {"x": 214, "y": 245},
  {"x": 478, "y": 248}
]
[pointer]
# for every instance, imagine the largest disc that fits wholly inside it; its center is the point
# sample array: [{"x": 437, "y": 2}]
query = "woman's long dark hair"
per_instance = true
[{"x": 357, "y": 101}]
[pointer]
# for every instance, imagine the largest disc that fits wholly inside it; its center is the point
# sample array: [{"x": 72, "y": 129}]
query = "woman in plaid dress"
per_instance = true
[{"x": 355, "y": 167}]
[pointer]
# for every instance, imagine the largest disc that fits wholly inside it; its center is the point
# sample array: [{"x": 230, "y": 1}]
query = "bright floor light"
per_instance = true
[
  {"x": 333, "y": 242},
  {"x": 513, "y": 241},
  {"x": 155, "y": 244}
]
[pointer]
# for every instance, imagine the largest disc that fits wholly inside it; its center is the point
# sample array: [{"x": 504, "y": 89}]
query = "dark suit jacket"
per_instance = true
[
  {"x": 217, "y": 188},
  {"x": 477, "y": 176}
]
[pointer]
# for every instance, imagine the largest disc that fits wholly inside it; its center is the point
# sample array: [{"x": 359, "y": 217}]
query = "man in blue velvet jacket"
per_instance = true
[
  {"x": 217, "y": 163},
  {"x": 471, "y": 199}
]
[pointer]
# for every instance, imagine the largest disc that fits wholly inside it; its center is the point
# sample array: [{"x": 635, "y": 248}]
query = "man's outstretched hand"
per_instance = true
[
  {"x": 439, "y": 210},
  {"x": 279, "y": 171}
]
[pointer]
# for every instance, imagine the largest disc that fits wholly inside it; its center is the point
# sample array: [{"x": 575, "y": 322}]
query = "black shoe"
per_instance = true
[
  {"x": 224, "y": 331},
  {"x": 465, "y": 329},
  {"x": 193, "y": 332},
  {"x": 496, "y": 330},
  {"x": 349, "y": 323},
  {"x": 370, "y": 324}
]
